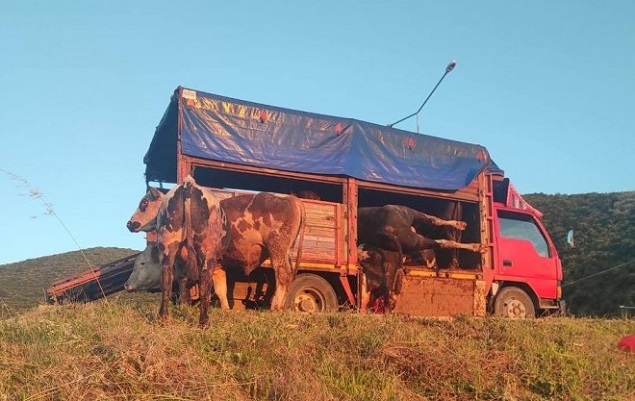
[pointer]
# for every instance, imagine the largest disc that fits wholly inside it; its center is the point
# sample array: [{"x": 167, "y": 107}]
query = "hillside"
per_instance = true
[
  {"x": 604, "y": 226},
  {"x": 22, "y": 284},
  {"x": 600, "y": 270}
]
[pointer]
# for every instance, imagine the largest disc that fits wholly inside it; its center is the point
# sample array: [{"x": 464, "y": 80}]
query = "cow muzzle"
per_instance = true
[{"x": 133, "y": 226}]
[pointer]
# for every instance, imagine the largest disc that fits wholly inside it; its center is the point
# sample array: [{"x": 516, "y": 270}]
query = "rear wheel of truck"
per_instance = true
[
  {"x": 514, "y": 303},
  {"x": 311, "y": 293}
]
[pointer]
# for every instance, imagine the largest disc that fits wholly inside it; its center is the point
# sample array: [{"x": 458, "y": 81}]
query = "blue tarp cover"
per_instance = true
[{"x": 223, "y": 129}]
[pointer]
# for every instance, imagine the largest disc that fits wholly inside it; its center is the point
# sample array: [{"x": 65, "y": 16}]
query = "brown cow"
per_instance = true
[
  {"x": 394, "y": 228},
  {"x": 191, "y": 228},
  {"x": 262, "y": 226}
]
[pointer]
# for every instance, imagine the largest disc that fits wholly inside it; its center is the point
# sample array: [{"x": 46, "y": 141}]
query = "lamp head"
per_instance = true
[{"x": 450, "y": 66}]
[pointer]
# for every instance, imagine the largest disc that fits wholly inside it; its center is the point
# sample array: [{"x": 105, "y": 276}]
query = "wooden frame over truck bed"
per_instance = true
[{"x": 232, "y": 145}]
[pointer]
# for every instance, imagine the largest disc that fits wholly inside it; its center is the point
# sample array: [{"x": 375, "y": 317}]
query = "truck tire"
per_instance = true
[
  {"x": 312, "y": 294},
  {"x": 514, "y": 303}
]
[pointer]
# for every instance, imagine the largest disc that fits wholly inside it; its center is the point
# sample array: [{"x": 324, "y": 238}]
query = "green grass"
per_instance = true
[{"x": 117, "y": 349}]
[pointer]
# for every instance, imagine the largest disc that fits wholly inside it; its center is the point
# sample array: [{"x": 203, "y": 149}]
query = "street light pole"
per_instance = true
[{"x": 448, "y": 69}]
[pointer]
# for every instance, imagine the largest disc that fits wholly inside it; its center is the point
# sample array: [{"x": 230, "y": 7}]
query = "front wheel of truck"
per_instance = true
[{"x": 514, "y": 303}]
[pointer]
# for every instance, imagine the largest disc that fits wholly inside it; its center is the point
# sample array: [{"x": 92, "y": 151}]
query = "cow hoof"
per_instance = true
[{"x": 460, "y": 225}]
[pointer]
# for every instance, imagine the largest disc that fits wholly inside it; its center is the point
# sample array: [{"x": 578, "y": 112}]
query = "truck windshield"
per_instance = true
[{"x": 522, "y": 226}]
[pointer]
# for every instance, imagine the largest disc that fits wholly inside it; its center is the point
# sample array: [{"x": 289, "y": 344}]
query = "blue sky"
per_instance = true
[{"x": 548, "y": 87}]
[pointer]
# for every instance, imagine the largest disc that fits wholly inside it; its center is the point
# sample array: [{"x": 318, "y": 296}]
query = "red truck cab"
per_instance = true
[{"x": 526, "y": 274}]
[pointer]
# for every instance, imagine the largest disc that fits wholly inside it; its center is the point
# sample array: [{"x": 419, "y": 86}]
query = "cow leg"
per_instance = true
[
  {"x": 184, "y": 292},
  {"x": 444, "y": 243},
  {"x": 206, "y": 291},
  {"x": 365, "y": 295},
  {"x": 167, "y": 274},
  {"x": 284, "y": 275},
  {"x": 421, "y": 217},
  {"x": 219, "y": 277},
  {"x": 456, "y": 224},
  {"x": 411, "y": 241}
]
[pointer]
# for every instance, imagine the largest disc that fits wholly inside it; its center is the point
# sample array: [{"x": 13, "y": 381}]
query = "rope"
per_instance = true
[{"x": 600, "y": 272}]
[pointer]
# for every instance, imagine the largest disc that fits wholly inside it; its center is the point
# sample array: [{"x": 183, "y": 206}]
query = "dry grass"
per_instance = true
[{"x": 117, "y": 350}]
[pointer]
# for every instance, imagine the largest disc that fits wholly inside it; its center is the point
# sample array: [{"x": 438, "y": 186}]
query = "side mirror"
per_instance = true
[{"x": 570, "y": 240}]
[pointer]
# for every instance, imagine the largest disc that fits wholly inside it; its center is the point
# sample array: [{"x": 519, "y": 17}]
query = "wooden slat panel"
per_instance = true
[{"x": 320, "y": 233}]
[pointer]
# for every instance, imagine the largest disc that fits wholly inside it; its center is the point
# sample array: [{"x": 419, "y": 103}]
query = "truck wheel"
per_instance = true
[
  {"x": 311, "y": 293},
  {"x": 514, "y": 303}
]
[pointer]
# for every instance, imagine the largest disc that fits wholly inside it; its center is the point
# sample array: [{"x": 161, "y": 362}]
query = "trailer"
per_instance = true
[{"x": 91, "y": 284}]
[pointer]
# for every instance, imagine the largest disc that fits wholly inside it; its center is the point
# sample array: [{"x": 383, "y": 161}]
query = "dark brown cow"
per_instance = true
[
  {"x": 395, "y": 228},
  {"x": 384, "y": 276},
  {"x": 191, "y": 228},
  {"x": 307, "y": 194},
  {"x": 262, "y": 226}
]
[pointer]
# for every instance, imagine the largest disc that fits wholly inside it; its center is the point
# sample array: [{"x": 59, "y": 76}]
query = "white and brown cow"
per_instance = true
[
  {"x": 191, "y": 228},
  {"x": 262, "y": 226},
  {"x": 395, "y": 228}
]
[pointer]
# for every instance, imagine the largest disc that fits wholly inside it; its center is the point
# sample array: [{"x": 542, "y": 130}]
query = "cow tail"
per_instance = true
[
  {"x": 192, "y": 263},
  {"x": 300, "y": 234}
]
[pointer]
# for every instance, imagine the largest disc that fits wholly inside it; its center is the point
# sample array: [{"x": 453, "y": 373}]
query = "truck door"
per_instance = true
[{"x": 525, "y": 254}]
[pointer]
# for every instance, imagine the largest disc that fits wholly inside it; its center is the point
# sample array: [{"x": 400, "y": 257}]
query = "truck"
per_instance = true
[{"x": 235, "y": 146}]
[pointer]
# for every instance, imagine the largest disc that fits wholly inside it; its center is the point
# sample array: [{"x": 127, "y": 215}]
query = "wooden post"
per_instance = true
[{"x": 351, "y": 199}]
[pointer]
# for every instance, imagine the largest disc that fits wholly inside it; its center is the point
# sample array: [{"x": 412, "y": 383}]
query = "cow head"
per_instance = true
[
  {"x": 146, "y": 273},
  {"x": 307, "y": 194},
  {"x": 145, "y": 217}
]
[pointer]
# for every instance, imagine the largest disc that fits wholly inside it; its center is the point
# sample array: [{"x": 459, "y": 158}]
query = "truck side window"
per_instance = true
[{"x": 521, "y": 226}]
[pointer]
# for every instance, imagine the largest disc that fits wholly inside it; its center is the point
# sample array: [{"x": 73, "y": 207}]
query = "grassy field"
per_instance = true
[{"x": 116, "y": 349}]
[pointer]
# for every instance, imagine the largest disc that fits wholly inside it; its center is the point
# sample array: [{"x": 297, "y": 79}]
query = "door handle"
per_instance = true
[{"x": 507, "y": 263}]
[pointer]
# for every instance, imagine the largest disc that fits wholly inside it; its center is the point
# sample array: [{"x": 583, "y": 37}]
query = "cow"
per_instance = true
[
  {"x": 146, "y": 271},
  {"x": 396, "y": 228},
  {"x": 307, "y": 194},
  {"x": 384, "y": 277},
  {"x": 191, "y": 228},
  {"x": 146, "y": 276},
  {"x": 262, "y": 226}
]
